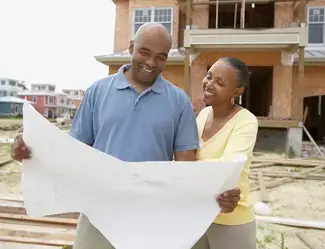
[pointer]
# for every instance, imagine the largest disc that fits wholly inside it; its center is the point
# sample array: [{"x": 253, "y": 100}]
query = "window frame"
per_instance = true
[
  {"x": 315, "y": 44},
  {"x": 153, "y": 16}
]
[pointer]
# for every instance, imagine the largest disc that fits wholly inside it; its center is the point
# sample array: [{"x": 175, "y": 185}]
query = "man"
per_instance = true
[{"x": 136, "y": 115}]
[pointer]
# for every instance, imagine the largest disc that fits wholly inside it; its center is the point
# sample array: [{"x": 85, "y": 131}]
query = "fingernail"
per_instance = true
[{"x": 225, "y": 194}]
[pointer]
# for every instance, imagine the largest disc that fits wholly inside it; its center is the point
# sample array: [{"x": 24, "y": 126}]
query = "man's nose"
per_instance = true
[{"x": 151, "y": 62}]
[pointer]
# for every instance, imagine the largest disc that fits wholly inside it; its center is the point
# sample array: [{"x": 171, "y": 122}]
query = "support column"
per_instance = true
[
  {"x": 282, "y": 91},
  {"x": 294, "y": 140},
  {"x": 187, "y": 77},
  {"x": 198, "y": 72}
]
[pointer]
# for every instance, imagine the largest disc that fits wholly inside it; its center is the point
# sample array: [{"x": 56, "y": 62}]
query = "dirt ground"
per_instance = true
[{"x": 301, "y": 199}]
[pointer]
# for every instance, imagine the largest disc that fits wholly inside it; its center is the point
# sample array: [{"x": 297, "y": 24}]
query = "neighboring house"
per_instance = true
[
  {"x": 11, "y": 87},
  {"x": 267, "y": 38},
  {"x": 74, "y": 96},
  {"x": 11, "y": 106},
  {"x": 48, "y": 102}
]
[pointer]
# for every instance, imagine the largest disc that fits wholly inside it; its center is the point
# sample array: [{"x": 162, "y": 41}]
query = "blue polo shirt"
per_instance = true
[{"x": 114, "y": 118}]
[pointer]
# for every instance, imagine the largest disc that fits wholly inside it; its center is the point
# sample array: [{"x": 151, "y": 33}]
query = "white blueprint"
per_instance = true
[{"x": 135, "y": 205}]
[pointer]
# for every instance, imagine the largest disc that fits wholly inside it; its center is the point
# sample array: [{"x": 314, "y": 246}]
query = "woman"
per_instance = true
[{"x": 226, "y": 129}]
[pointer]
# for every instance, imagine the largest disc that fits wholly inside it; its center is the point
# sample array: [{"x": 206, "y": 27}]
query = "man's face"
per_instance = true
[{"x": 149, "y": 56}]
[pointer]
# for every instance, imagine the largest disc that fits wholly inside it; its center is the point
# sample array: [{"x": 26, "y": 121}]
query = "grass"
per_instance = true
[{"x": 269, "y": 238}]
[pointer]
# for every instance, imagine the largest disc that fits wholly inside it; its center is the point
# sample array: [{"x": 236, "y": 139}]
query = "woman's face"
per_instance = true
[{"x": 220, "y": 84}]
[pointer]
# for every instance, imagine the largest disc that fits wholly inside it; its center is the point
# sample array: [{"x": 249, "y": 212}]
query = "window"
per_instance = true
[
  {"x": 51, "y": 88},
  {"x": 3, "y": 82},
  {"x": 161, "y": 15},
  {"x": 316, "y": 26},
  {"x": 34, "y": 99},
  {"x": 50, "y": 100},
  {"x": 12, "y": 83},
  {"x": 76, "y": 93}
]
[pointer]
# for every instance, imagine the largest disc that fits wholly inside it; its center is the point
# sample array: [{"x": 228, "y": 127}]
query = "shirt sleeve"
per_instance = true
[
  {"x": 82, "y": 124},
  {"x": 186, "y": 136}
]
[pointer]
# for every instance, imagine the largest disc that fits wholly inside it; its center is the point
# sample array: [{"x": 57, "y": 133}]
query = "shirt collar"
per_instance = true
[{"x": 122, "y": 83}]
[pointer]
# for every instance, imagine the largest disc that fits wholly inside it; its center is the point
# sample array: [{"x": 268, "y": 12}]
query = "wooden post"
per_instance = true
[
  {"x": 235, "y": 16},
  {"x": 301, "y": 62},
  {"x": 188, "y": 14},
  {"x": 242, "y": 15},
  {"x": 217, "y": 14},
  {"x": 187, "y": 72},
  {"x": 187, "y": 50}
]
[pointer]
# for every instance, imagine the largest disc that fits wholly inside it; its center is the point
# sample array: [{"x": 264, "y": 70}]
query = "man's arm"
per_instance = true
[
  {"x": 82, "y": 125},
  {"x": 186, "y": 140}
]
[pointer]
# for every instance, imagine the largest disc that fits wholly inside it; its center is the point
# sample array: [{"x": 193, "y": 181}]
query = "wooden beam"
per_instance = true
[
  {"x": 187, "y": 77},
  {"x": 188, "y": 14},
  {"x": 217, "y": 14},
  {"x": 242, "y": 15},
  {"x": 247, "y": 1},
  {"x": 235, "y": 16},
  {"x": 301, "y": 62}
]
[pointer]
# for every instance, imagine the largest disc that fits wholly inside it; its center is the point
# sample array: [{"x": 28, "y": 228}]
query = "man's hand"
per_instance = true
[
  {"x": 228, "y": 200},
  {"x": 19, "y": 150}
]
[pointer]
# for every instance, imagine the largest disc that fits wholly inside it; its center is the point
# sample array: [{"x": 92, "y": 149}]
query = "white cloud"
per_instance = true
[{"x": 55, "y": 41}]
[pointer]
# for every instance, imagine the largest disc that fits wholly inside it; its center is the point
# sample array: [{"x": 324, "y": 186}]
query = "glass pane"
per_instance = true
[
  {"x": 168, "y": 26},
  {"x": 163, "y": 15},
  {"x": 316, "y": 33},
  {"x": 137, "y": 26}
]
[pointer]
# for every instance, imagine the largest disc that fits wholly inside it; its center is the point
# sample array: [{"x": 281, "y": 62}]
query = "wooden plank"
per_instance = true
[
  {"x": 261, "y": 165},
  {"x": 310, "y": 240},
  {"x": 6, "y": 162},
  {"x": 10, "y": 245},
  {"x": 44, "y": 221},
  {"x": 288, "y": 162},
  {"x": 37, "y": 231},
  {"x": 12, "y": 206},
  {"x": 274, "y": 123},
  {"x": 35, "y": 241},
  {"x": 288, "y": 179},
  {"x": 261, "y": 183},
  {"x": 292, "y": 222},
  {"x": 319, "y": 177}
]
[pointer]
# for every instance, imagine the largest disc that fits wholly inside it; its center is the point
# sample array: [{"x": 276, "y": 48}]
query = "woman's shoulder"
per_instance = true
[
  {"x": 204, "y": 112},
  {"x": 244, "y": 116}
]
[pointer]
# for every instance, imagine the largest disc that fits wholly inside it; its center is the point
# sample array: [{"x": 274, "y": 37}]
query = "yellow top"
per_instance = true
[{"x": 237, "y": 136}]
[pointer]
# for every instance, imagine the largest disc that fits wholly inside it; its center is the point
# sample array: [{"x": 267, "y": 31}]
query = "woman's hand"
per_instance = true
[{"x": 228, "y": 200}]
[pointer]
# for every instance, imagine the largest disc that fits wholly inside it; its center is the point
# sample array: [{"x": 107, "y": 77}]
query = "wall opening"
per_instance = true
[
  {"x": 258, "y": 95},
  {"x": 315, "y": 121},
  {"x": 256, "y": 16}
]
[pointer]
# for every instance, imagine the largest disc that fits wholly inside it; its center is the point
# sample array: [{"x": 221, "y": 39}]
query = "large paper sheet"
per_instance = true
[{"x": 135, "y": 205}]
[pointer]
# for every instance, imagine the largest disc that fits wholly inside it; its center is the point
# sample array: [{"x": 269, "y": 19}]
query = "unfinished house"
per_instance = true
[{"x": 282, "y": 42}]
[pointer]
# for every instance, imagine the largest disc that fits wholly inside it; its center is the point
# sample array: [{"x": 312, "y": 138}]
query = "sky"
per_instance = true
[{"x": 55, "y": 41}]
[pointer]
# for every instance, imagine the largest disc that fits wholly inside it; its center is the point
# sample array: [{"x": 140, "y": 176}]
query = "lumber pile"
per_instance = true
[
  {"x": 18, "y": 228},
  {"x": 304, "y": 169}
]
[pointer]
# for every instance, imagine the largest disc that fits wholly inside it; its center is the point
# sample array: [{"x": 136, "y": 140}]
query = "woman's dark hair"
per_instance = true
[{"x": 243, "y": 74}]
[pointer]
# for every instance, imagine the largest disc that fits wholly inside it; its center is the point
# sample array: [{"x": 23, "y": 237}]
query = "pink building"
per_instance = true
[{"x": 48, "y": 102}]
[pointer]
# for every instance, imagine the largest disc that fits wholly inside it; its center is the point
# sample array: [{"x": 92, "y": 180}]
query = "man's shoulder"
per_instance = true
[
  {"x": 175, "y": 92},
  {"x": 102, "y": 84}
]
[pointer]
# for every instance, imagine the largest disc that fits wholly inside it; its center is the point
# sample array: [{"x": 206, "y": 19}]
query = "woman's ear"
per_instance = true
[{"x": 239, "y": 91}]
